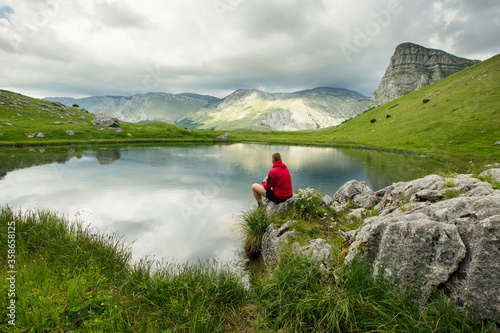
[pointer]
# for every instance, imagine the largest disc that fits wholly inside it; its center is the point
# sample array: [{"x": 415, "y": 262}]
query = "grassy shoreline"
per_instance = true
[{"x": 72, "y": 279}]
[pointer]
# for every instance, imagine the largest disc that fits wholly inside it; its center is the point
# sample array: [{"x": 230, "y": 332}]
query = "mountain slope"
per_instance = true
[
  {"x": 412, "y": 67},
  {"x": 459, "y": 114},
  {"x": 145, "y": 107},
  {"x": 29, "y": 121},
  {"x": 259, "y": 110}
]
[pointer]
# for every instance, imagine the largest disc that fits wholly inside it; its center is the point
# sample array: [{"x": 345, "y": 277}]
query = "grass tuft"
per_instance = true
[{"x": 254, "y": 224}]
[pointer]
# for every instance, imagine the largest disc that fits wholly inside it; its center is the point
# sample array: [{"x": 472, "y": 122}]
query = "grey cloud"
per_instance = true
[
  {"x": 195, "y": 46},
  {"x": 120, "y": 15}
]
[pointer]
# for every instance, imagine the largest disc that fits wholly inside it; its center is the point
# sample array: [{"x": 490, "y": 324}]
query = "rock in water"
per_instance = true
[
  {"x": 412, "y": 67},
  {"x": 105, "y": 120}
]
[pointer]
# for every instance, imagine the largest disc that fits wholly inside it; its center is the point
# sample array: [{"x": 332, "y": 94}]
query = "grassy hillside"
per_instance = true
[
  {"x": 22, "y": 118},
  {"x": 458, "y": 115}
]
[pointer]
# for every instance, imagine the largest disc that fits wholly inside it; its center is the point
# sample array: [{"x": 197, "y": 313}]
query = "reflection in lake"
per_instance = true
[{"x": 182, "y": 203}]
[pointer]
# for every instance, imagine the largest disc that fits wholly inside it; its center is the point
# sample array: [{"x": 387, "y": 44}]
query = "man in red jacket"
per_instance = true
[{"x": 277, "y": 186}]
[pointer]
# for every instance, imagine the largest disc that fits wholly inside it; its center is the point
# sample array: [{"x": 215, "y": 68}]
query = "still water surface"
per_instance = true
[{"x": 181, "y": 203}]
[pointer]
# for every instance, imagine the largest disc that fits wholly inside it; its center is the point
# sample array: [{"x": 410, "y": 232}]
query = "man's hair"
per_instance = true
[{"x": 276, "y": 157}]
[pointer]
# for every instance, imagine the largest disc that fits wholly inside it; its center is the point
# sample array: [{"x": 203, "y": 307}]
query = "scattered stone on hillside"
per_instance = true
[
  {"x": 494, "y": 165},
  {"x": 41, "y": 135},
  {"x": 227, "y": 134},
  {"x": 429, "y": 195},
  {"x": 494, "y": 174},
  {"x": 320, "y": 253},
  {"x": 273, "y": 208},
  {"x": 326, "y": 201},
  {"x": 59, "y": 123},
  {"x": 118, "y": 130},
  {"x": 451, "y": 245},
  {"x": 31, "y": 135},
  {"x": 71, "y": 122},
  {"x": 357, "y": 192},
  {"x": 497, "y": 143},
  {"x": 274, "y": 240},
  {"x": 83, "y": 118},
  {"x": 128, "y": 134},
  {"x": 222, "y": 137},
  {"x": 106, "y": 120},
  {"x": 357, "y": 213},
  {"x": 8, "y": 124},
  {"x": 69, "y": 132}
]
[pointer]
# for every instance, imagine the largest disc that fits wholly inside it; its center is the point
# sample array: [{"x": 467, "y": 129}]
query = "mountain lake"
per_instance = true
[{"x": 180, "y": 203}]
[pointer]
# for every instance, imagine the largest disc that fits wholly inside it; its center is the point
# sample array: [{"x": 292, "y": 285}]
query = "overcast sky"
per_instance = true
[{"x": 105, "y": 47}]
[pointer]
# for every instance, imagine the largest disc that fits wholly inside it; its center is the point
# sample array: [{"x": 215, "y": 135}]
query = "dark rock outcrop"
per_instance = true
[{"x": 412, "y": 67}]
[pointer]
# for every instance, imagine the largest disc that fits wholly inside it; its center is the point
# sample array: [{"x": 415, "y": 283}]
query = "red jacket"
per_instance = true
[{"x": 279, "y": 181}]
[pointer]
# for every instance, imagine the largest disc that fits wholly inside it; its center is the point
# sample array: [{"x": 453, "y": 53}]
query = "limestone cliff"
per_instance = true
[{"x": 413, "y": 67}]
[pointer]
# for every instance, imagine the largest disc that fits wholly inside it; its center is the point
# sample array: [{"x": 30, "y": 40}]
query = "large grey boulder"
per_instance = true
[
  {"x": 394, "y": 194},
  {"x": 357, "y": 192},
  {"x": 106, "y": 120},
  {"x": 452, "y": 244}
]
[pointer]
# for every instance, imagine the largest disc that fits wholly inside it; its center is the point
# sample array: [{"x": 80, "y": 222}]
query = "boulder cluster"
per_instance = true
[{"x": 432, "y": 233}]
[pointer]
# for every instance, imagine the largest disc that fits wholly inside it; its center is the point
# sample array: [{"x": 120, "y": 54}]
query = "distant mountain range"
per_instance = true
[
  {"x": 144, "y": 107},
  {"x": 411, "y": 67},
  {"x": 243, "y": 109}
]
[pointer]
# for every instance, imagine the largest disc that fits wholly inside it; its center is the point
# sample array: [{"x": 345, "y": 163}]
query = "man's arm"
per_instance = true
[{"x": 268, "y": 182}]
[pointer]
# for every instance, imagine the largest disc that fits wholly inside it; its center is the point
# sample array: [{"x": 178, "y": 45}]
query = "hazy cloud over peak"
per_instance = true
[{"x": 99, "y": 47}]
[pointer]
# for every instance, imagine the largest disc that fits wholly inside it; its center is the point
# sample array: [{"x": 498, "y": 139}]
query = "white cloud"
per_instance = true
[{"x": 96, "y": 47}]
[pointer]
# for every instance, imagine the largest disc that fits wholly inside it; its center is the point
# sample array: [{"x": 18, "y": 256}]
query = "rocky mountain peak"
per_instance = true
[{"x": 412, "y": 67}]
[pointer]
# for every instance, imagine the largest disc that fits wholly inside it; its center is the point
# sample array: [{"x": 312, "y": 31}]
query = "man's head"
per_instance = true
[{"x": 276, "y": 157}]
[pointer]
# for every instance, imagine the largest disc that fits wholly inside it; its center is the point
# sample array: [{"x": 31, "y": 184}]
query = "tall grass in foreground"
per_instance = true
[
  {"x": 254, "y": 225},
  {"x": 298, "y": 297},
  {"x": 71, "y": 280}
]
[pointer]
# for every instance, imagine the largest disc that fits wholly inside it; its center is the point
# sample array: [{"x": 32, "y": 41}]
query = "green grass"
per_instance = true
[
  {"x": 254, "y": 224},
  {"x": 28, "y": 116},
  {"x": 462, "y": 116},
  {"x": 70, "y": 279}
]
